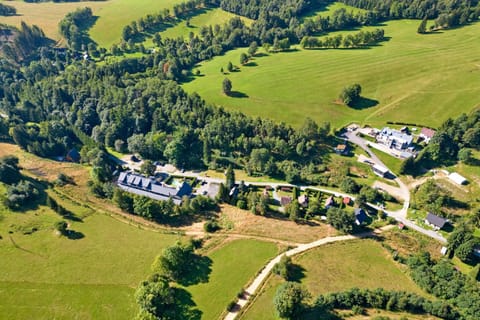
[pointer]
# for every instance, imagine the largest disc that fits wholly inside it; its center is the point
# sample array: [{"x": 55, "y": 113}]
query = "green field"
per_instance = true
[
  {"x": 209, "y": 17},
  {"x": 45, "y": 276},
  {"x": 413, "y": 78},
  {"x": 336, "y": 267},
  {"x": 113, "y": 15},
  {"x": 232, "y": 267},
  {"x": 47, "y": 15}
]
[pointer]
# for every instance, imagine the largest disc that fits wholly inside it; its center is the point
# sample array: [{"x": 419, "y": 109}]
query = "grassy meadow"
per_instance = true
[
  {"x": 209, "y": 17},
  {"x": 233, "y": 265},
  {"x": 112, "y": 15},
  {"x": 92, "y": 276},
  {"x": 336, "y": 267},
  {"x": 47, "y": 15},
  {"x": 412, "y": 78}
]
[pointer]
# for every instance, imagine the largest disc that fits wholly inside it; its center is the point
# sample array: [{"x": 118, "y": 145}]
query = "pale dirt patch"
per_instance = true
[
  {"x": 394, "y": 191},
  {"x": 246, "y": 223}
]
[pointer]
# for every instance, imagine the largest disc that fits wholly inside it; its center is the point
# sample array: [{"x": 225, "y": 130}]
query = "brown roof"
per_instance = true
[
  {"x": 346, "y": 200},
  {"x": 427, "y": 132},
  {"x": 341, "y": 147}
]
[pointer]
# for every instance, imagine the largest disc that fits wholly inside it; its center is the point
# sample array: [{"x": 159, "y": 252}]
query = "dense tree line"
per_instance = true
[
  {"x": 6, "y": 10},
  {"x": 398, "y": 301},
  {"x": 290, "y": 302},
  {"x": 155, "y": 22},
  {"x": 445, "y": 12},
  {"x": 357, "y": 40},
  {"x": 444, "y": 281}
]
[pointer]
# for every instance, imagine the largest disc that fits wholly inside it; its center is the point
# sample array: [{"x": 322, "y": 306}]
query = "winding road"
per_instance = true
[{"x": 400, "y": 216}]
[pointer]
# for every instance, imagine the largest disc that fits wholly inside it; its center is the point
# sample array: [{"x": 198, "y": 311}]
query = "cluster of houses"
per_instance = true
[{"x": 360, "y": 214}]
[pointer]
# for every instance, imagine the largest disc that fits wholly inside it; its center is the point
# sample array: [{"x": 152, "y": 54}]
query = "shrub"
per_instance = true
[{"x": 211, "y": 226}]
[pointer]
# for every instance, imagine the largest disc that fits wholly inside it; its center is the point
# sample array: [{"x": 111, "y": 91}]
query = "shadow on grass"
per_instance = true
[
  {"x": 250, "y": 64},
  {"x": 199, "y": 271},
  {"x": 74, "y": 235},
  {"x": 185, "y": 306},
  {"x": 364, "y": 103},
  {"x": 237, "y": 94},
  {"x": 296, "y": 272}
]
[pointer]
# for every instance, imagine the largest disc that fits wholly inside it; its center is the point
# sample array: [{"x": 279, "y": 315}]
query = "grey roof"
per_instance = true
[
  {"x": 436, "y": 220},
  {"x": 149, "y": 187}
]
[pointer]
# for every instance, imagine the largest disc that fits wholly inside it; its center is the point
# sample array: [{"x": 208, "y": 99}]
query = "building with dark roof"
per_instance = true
[
  {"x": 73, "y": 155},
  {"x": 150, "y": 187},
  {"x": 435, "y": 221},
  {"x": 360, "y": 216}
]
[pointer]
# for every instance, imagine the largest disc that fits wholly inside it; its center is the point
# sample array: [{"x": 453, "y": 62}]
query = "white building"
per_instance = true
[
  {"x": 394, "y": 139},
  {"x": 379, "y": 170},
  {"x": 458, "y": 179}
]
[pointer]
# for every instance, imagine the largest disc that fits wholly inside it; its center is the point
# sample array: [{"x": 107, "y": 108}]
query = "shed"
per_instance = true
[
  {"x": 436, "y": 221},
  {"x": 458, "y": 179},
  {"x": 346, "y": 201},
  {"x": 303, "y": 200},
  {"x": 379, "y": 170}
]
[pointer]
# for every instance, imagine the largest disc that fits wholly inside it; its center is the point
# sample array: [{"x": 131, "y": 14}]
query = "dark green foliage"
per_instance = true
[
  {"x": 175, "y": 262},
  {"x": 284, "y": 268},
  {"x": 6, "y": 10},
  {"x": 185, "y": 150},
  {"x": 465, "y": 251},
  {"x": 243, "y": 58},
  {"x": 447, "y": 13},
  {"x": 9, "y": 171},
  {"x": 398, "y": 301},
  {"x": 444, "y": 281},
  {"x": 293, "y": 210},
  {"x": 148, "y": 168},
  {"x": 123, "y": 200},
  {"x": 61, "y": 226},
  {"x": 229, "y": 178},
  {"x": 422, "y": 28},
  {"x": 211, "y": 226},
  {"x": 357, "y": 40},
  {"x": 227, "y": 86},
  {"x": 20, "y": 194},
  {"x": 289, "y": 300},
  {"x": 431, "y": 197},
  {"x": 349, "y": 185},
  {"x": 74, "y": 26},
  {"x": 351, "y": 94},
  {"x": 340, "y": 219},
  {"x": 465, "y": 155},
  {"x": 63, "y": 179}
]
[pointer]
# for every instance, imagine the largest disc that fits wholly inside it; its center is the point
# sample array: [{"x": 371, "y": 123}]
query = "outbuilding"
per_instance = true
[
  {"x": 379, "y": 170},
  {"x": 458, "y": 179}
]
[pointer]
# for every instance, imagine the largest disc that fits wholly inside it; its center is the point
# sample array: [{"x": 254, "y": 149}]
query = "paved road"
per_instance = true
[{"x": 400, "y": 215}]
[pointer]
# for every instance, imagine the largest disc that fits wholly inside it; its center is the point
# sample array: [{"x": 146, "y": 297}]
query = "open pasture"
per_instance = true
[
  {"x": 336, "y": 267},
  {"x": 414, "y": 78}
]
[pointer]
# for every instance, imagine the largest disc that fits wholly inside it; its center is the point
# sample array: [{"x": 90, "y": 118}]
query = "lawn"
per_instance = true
[
  {"x": 414, "y": 78},
  {"x": 336, "y": 267},
  {"x": 233, "y": 265}
]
